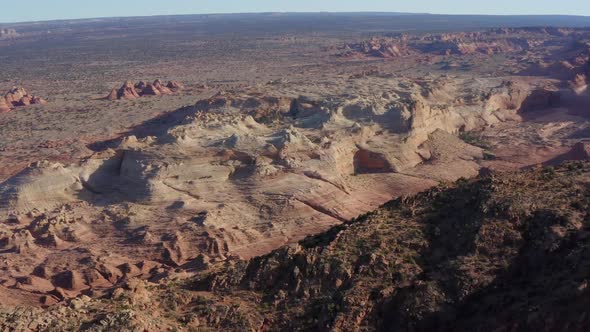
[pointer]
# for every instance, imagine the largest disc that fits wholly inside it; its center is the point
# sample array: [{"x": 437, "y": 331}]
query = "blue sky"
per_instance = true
[{"x": 31, "y": 10}]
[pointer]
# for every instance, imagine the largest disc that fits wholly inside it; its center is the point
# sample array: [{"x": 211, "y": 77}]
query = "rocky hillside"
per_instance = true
[{"x": 504, "y": 251}]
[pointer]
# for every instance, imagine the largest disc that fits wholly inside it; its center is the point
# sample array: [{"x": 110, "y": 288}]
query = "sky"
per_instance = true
[{"x": 36, "y": 10}]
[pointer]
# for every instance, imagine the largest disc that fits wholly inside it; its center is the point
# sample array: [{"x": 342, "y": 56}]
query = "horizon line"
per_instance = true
[{"x": 285, "y": 12}]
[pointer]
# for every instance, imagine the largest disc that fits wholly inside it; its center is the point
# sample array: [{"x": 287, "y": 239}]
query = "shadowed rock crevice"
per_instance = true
[{"x": 371, "y": 162}]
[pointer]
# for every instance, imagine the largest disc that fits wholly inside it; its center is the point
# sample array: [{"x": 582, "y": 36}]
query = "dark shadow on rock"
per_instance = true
[
  {"x": 542, "y": 287},
  {"x": 538, "y": 101},
  {"x": 157, "y": 126}
]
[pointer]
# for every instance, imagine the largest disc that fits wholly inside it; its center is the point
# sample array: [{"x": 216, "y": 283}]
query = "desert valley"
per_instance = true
[{"x": 295, "y": 172}]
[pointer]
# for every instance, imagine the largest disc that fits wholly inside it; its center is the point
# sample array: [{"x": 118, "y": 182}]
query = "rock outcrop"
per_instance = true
[
  {"x": 126, "y": 91},
  {"x": 14, "y": 96},
  {"x": 174, "y": 85},
  {"x": 489, "y": 42},
  {"x": 155, "y": 89},
  {"x": 483, "y": 237},
  {"x": 380, "y": 47},
  {"x": 17, "y": 97},
  {"x": 4, "y": 106},
  {"x": 129, "y": 90}
]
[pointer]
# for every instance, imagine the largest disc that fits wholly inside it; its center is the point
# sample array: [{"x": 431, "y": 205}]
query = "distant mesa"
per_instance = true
[
  {"x": 131, "y": 90},
  {"x": 16, "y": 97}
]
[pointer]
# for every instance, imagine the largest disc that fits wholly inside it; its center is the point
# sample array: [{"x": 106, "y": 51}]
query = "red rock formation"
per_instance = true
[
  {"x": 580, "y": 151},
  {"x": 113, "y": 95},
  {"x": 15, "y": 95},
  {"x": 34, "y": 284},
  {"x": 382, "y": 48},
  {"x": 174, "y": 85},
  {"x": 18, "y": 96},
  {"x": 371, "y": 162},
  {"x": 70, "y": 280},
  {"x": 127, "y": 91},
  {"x": 163, "y": 90},
  {"x": 24, "y": 101},
  {"x": 488, "y": 43},
  {"x": 4, "y": 106},
  {"x": 150, "y": 90},
  {"x": 156, "y": 89},
  {"x": 139, "y": 86},
  {"x": 38, "y": 100},
  {"x": 133, "y": 91}
]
